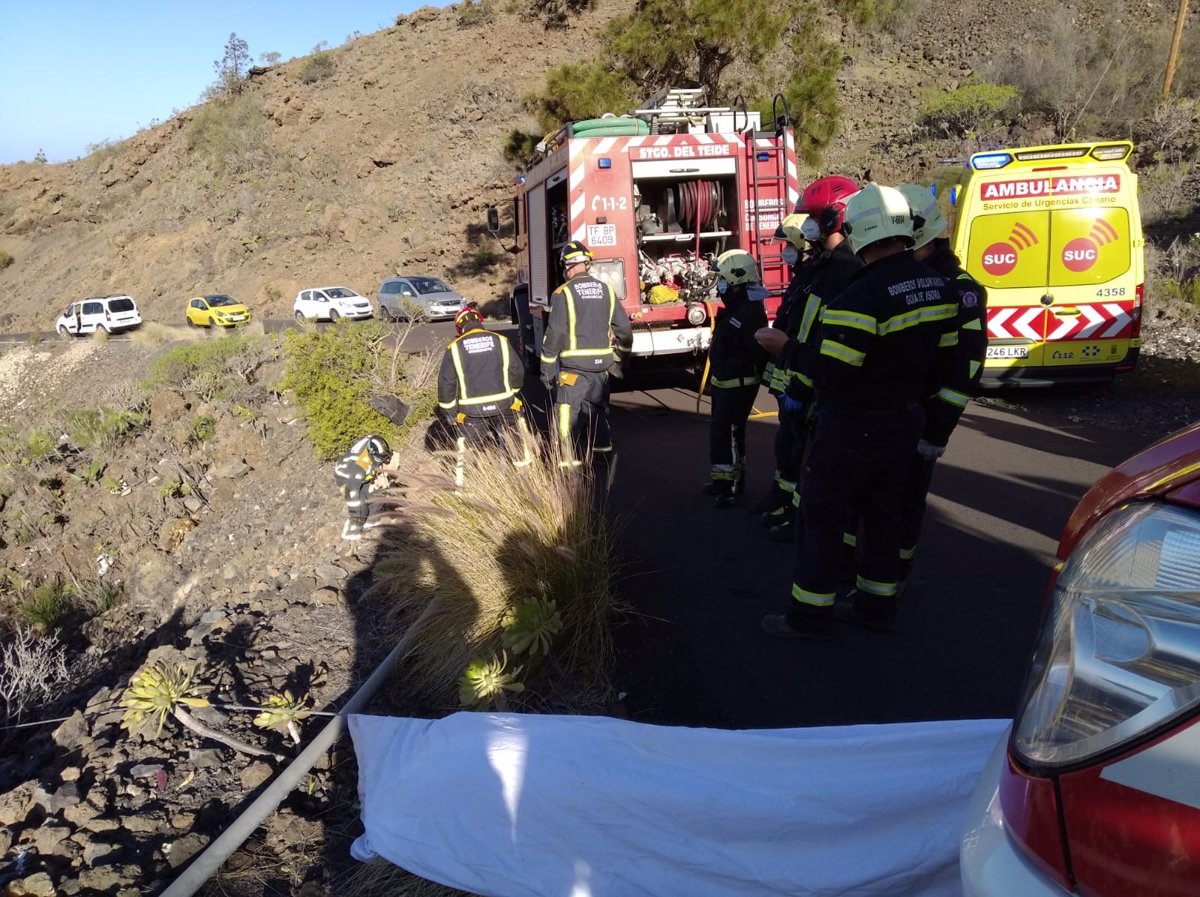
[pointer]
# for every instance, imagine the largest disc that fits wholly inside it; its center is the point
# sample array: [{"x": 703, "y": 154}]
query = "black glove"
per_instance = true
[
  {"x": 548, "y": 379},
  {"x": 617, "y": 370}
]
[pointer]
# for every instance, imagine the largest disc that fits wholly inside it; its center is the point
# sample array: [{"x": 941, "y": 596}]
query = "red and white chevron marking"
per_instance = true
[{"x": 1104, "y": 320}]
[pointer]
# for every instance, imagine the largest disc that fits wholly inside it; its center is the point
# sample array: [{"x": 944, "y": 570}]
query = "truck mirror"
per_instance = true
[{"x": 493, "y": 220}]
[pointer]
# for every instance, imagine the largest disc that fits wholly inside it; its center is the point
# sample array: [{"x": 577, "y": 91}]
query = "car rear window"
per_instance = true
[
  {"x": 391, "y": 286},
  {"x": 425, "y": 285},
  {"x": 122, "y": 304}
]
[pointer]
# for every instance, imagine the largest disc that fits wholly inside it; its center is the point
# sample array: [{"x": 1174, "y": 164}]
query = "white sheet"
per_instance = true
[{"x": 505, "y": 805}]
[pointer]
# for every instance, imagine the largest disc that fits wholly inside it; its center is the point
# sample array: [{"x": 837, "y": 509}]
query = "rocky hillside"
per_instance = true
[{"x": 384, "y": 156}]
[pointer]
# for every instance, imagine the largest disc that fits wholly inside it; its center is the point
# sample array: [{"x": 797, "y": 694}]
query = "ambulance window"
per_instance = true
[
  {"x": 612, "y": 272},
  {"x": 1088, "y": 245},
  {"x": 1010, "y": 250}
]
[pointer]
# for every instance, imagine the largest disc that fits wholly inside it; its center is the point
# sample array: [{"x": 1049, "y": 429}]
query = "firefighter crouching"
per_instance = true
[
  {"x": 829, "y": 270},
  {"x": 944, "y": 407},
  {"x": 578, "y": 355},
  {"x": 360, "y": 469},
  {"x": 889, "y": 335},
  {"x": 478, "y": 388},
  {"x": 736, "y": 362}
]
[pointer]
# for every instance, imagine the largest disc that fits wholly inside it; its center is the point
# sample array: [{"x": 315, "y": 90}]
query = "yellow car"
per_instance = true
[{"x": 217, "y": 310}]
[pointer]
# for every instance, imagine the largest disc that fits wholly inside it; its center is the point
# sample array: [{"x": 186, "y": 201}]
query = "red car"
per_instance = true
[{"x": 1096, "y": 790}]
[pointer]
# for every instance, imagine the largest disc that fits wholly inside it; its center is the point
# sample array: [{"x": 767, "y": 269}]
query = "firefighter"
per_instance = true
[
  {"x": 736, "y": 363},
  {"x": 945, "y": 407},
  {"x": 478, "y": 389},
  {"x": 578, "y": 355},
  {"x": 795, "y": 254},
  {"x": 831, "y": 266},
  {"x": 881, "y": 343},
  {"x": 360, "y": 470}
]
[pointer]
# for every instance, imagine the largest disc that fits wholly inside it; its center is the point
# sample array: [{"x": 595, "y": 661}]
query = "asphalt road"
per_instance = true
[{"x": 699, "y": 578}]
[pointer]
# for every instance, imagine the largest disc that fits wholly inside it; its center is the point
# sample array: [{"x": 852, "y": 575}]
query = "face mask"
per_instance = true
[
  {"x": 791, "y": 255},
  {"x": 810, "y": 230},
  {"x": 722, "y": 286}
]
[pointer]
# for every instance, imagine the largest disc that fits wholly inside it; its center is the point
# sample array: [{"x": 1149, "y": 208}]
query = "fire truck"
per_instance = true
[{"x": 656, "y": 195}]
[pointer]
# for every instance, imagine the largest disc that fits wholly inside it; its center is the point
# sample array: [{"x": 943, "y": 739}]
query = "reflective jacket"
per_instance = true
[
  {"x": 945, "y": 407},
  {"x": 583, "y": 313},
  {"x": 356, "y": 466},
  {"x": 889, "y": 337},
  {"x": 480, "y": 375},
  {"x": 826, "y": 277},
  {"x": 735, "y": 357}
]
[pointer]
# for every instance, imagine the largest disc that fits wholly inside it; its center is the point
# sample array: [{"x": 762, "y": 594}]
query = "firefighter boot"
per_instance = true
[
  {"x": 802, "y": 621},
  {"x": 867, "y": 611},
  {"x": 352, "y": 530},
  {"x": 726, "y": 495},
  {"x": 771, "y": 503}
]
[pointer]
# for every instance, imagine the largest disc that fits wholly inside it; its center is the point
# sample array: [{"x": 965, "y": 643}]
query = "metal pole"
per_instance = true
[{"x": 1173, "y": 56}]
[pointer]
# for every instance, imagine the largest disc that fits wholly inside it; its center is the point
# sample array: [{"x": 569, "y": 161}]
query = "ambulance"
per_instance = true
[{"x": 1055, "y": 234}]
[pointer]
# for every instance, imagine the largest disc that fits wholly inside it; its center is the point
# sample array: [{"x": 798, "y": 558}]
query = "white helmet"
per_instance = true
[
  {"x": 877, "y": 213},
  {"x": 924, "y": 205},
  {"x": 737, "y": 266}
]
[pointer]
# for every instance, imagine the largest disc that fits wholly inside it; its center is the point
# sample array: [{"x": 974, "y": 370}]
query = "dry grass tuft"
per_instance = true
[
  {"x": 468, "y": 557},
  {"x": 152, "y": 333},
  {"x": 381, "y": 879}
]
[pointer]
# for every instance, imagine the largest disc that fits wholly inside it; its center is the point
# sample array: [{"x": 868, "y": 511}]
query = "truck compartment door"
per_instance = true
[{"x": 539, "y": 246}]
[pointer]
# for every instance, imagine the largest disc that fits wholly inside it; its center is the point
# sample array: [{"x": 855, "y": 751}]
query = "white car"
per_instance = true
[
  {"x": 331, "y": 304},
  {"x": 109, "y": 314}
]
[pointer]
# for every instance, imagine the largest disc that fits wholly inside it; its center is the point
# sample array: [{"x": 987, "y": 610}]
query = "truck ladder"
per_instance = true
[{"x": 759, "y": 185}]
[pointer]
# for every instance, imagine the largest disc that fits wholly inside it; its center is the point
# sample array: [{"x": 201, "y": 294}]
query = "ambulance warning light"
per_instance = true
[{"x": 990, "y": 161}]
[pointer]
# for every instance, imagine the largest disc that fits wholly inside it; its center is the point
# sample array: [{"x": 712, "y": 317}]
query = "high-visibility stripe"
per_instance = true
[
  {"x": 974, "y": 367},
  {"x": 564, "y": 421},
  {"x": 953, "y": 396},
  {"x": 918, "y": 316},
  {"x": 816, "y": 599},
  {"x": 906, "y": 554},
  {"x": 849, "y": 539},
  {"x": 448, "y": 406},
  {"x": 946, "y": 340},
  {"x": 871, "y": 586},
  {"x": 576, "y": 353},
  {"x": 811, "y": 306},
  {"x": 734, "y": 381},
  {"x": 973, "y": 324},
  {"x": 458, "y": 369},
  {"x": 806, "y": 380},
  {"x": 852, "y": 319},
  {"x": 573, "y": 343},
  {"x": 834, "y": 349},
  {"x": 548, "y": 360}
]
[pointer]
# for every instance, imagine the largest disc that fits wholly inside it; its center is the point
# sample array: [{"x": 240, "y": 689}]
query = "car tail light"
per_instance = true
[
  {"x": 1119, "y": 655},
  {"x": 1139, "y": 293}
]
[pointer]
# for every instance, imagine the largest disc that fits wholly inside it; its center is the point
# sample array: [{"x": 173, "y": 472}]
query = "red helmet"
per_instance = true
[
  {"x": 824, "y": 201},
  {"x": 466, "y": 319}
]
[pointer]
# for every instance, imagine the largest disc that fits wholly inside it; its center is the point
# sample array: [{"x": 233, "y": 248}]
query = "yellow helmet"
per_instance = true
[
  {"x": 575, "y": 253},
  {"x": 737, "y": 266},
  {"x": 789, "y": 229},
  {"x": 877, "y": 213},
  {"x": 929, "y": 221}
]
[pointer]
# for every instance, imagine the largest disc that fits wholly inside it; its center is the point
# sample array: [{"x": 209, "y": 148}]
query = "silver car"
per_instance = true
[{"x": 420, "y": 298}]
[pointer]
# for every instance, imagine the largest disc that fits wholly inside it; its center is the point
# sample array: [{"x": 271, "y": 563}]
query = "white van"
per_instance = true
[{"x": 110, "y": 314}]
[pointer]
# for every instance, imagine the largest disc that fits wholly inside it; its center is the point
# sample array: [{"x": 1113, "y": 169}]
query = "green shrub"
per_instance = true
[
  {"x": 46, "y": 606},
  {"x": 104, "y": 428},
  {"x": 334, "y": 371},
  {"x": 970, "y": 109},
  {"x": 472, "y": 13},
  {"x": 520, "y": 145},
  {"x": 5, "y": 259},
  {"x": 205, "y": 368},
  {"x": 484, "y": 259},
  {"x": 203, "y": 428},
  {"x": 230, "y": 135},
  {"x": 583, "y": 90},
  {"x": 99, "y": 595},
  {"x": 557, "y": 13},
  {"x": 317, "y": 67}
]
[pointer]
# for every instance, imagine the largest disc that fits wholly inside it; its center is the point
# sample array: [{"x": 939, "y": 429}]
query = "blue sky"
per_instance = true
[{"x": 77, "y": 73}]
